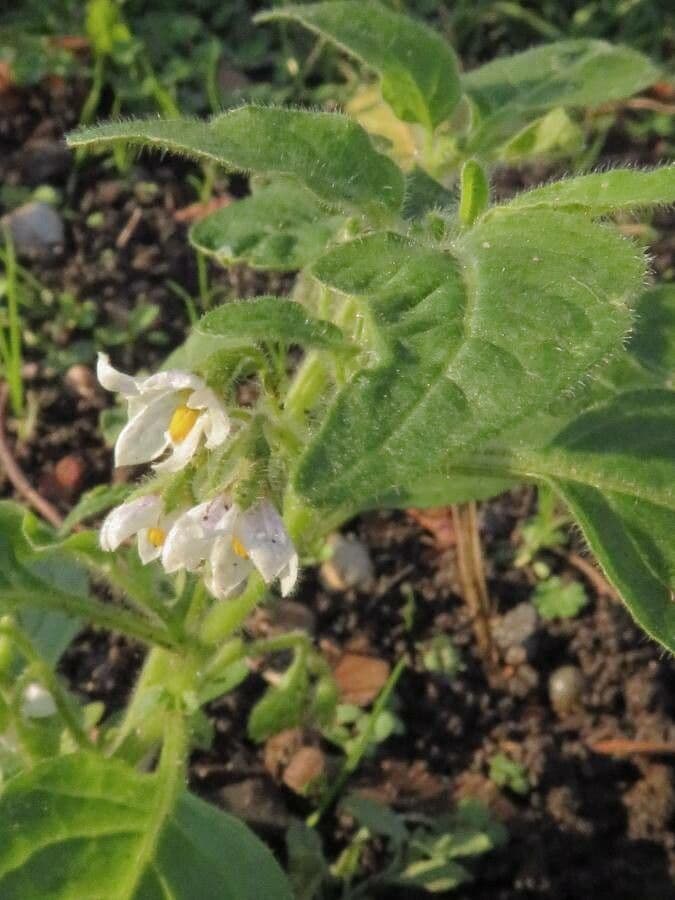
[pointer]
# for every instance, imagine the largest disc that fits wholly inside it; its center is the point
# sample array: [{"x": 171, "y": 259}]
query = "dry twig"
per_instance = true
[{"x": 16, "y": 476}]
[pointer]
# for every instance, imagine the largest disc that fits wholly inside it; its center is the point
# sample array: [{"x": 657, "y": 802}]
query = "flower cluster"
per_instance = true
[{"x": 170, "y": 413}]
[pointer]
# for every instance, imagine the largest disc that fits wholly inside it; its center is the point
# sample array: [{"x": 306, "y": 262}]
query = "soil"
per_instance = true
[{"x": 593, "y": 822}]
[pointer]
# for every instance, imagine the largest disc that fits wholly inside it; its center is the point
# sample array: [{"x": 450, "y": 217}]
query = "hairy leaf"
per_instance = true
[
  {"x": 653, "y": 341},
  {"x": 329, "y": 153},
  {"x": 281, "y": 226},
  {"x": 615, "y": 468},
  {"x": 573, "y": 73},
  {"x": 243, "y": 322},
  {"x": 566, "y": 73},
  {"x": 467, "y": 344},
  {"x": 420, "y": 78},
  {"x": 83, "y": 826},
  {"x": 601, "y": 192}
]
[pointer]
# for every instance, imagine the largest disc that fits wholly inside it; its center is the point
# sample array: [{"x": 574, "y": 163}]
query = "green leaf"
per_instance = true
[
  {"x": 653, "y": 341},
  {"x": 94, "y": 502},
  {"x": 574, "y": 73},
  {"x": 25, "y": 578},
  {"x": 601, "y": 192},
  {"x": 282, "y": 706},
  {"x": 615, "y": 468},
  {"x": 505, "y": 772},
  {"x": 328, "y": 153},
  {"x": 419, "y": 73},
  {"x": 465, "y": 344},
  {"x": 556, "y": 599},
  {"x": 565, "y": 73},
  {"x": 307, "y": 866},
  {"x": 83, "y": 826},
  {"x": 376, "y": 817},
  {"x": 424, "y": 194},
  {"x": 553, "y": 134},
  {"x": 280, "y": 226},
  {"x": 268, "y": 319}
]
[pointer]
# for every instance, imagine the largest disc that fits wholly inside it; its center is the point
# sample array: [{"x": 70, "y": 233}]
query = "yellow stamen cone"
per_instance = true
[
  {"x": 182, "y": 422},
  {"x": 239, "y": 548},
  {"x": 156, "y": 536}
]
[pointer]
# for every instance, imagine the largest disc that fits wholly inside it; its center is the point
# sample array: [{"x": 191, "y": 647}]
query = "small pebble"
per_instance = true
[
  {"x": 82, "y": 381},
  {"x": 566, "y": 689},
  {"x": 515, "y": 626},
  {"x": 37, "y": 702},
  {"x": 69, "y": 473},
  {"x": 37, "y": 229},
  {"x": 349, "y": 566}
]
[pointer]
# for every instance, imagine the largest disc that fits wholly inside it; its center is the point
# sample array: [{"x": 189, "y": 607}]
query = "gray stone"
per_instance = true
[
  {"x": 349, "y": 566},
  {"x": 516, "y": 626},
  {"x": 37, "y": 229},
  {"x": 566, "y": 687}
]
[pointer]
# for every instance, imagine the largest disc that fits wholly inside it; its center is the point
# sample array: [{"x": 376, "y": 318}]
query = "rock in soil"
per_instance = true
[
  {"x": 515, "y": 626},
  {"x": 37, "y": 230},
  {"x": 349, "y": 566}
]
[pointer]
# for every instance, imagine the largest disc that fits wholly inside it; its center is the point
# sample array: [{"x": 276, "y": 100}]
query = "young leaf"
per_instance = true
[
  {"x": 420, "y": 78},
  {"x": 553, "y": 134},
  {"x": 328, "y": 153},
  {"x": 573, "y": 73},
  {"x": 269, "y": 319},
  {"x": 653, "y": 341},
  {"x": 474, "y": 192},
  {"x": 468, "y": 344},
  {"x": 601, "y": 192},
  {"x": 556, "y": 599},
  {"x": 280, "y": 226},
  {"x": 615, "y": 468},
  {"x": 282, "y": 706},
  {"x": 84, "y": 826}
]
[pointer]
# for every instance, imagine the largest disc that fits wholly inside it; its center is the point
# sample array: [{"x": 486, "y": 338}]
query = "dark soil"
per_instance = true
[{"x": 592, "y": 823}]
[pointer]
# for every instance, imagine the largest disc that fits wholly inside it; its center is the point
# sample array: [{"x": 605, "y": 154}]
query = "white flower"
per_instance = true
[
  {"x": 169, "y": 410},
  {"x": 192, "y": 537},
  {"x": 233, "y": 542},
  {"x": 143, "y": 517}
]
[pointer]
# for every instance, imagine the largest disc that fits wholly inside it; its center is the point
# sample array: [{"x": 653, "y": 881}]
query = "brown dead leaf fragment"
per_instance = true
[
  {"x": 438, "y": 522},
  {"x": 196, "y": 211},
  {"x": 280, "y": 749},
  {"x": 304, "y": 769},
  {"x": 360, "y": 678},
  {"x": 627, "y": 746}
]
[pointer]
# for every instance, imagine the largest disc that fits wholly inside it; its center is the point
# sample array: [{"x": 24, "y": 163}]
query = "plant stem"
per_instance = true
[
  {"x": 13, "y": 345},
  {"x": 472, "y": 575},
  {"x": 226, "y": 616},
  {"x": 45, "y": 674},
  {"x": 362, "y": 743}
]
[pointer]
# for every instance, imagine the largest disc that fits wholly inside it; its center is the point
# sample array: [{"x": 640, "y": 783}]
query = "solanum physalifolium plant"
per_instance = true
[{"x": 451, "y": 348}]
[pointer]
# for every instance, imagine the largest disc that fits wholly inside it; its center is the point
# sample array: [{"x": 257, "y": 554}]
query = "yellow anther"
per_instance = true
[
  {"x": 181, "y": 422},
  {"x": 239, "y": 548},
  {"x": 156, "y": 536}
]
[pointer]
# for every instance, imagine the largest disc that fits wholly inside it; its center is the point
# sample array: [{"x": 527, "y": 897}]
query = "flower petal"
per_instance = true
[
  {"x": 227, "y": 569},
  {"x": 262, "y": 532},
  {"x": 143, "y": 437},
  {"x": 289, "y": 575},
  {"x": 190, "y": 540},
  {"x": 112, "y": 379},
  {"x": 171, "y": 380},
  {"x": 146, "y": 549},
  {"x": 128, "y": 519},
  {"x": 182, "y": 453},
  {"x": 217, "y": 422}
]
